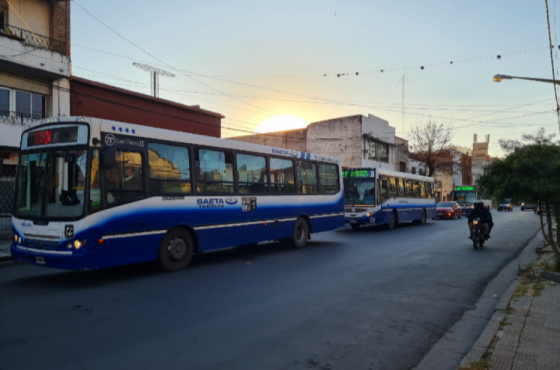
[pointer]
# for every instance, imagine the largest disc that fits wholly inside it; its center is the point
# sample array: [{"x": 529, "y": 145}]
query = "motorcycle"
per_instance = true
[{"x": 478, "y": 237}]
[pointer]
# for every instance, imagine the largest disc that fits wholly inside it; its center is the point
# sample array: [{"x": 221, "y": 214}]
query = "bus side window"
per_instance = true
[
  {"x": 328, "y": 178},
  {"x": 125, "y": 181},
  {"x": 95, "y": 184},
  {"x": 416, "y": 189},
  {"x": 429, "y": 190},
  {"x": 392, "y": 185},
  {"x": 383, "y": 193},
  {"x": 282, "y": 176},
  {"x": 423, "y": 189},
  {"x": 307, "y": 178},
  {"x": 251, "y": 174},
  {"x": 400, "y": 187},
  {"x": 409, "y": 192},
  {"x": 170, "y": 169},
  {"x": 214, "y": 172}
]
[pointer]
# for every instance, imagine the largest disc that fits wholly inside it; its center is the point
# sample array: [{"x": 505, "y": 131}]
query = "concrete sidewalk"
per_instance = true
[{"x": 524, "y": 332}]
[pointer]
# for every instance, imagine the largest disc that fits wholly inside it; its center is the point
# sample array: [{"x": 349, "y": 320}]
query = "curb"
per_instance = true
[{"x": 482, "y": 343}]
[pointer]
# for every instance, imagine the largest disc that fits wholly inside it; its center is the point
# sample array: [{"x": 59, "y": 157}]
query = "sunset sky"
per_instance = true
[{"x": 262, "y": 64}]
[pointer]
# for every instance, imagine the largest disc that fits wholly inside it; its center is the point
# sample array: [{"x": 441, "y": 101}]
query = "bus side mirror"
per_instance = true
[
  {"x": 384, "y": 184},
  {"x": 109, "y": 157},
  {"x": 1, "y": 167}
]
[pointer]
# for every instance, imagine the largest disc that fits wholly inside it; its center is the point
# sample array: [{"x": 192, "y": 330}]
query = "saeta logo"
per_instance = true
[
  {"x": 215, "y": 202},
  {"x": 231, "y": 200}
]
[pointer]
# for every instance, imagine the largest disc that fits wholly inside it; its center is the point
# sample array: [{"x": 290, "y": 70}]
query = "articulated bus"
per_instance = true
[
  {"x": 94, "y": 193},
  {"x": 377, "y": 196}
]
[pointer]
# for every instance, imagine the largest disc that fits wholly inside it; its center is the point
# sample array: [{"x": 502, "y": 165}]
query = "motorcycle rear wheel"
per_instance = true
[{"x": 475, "y": 241}]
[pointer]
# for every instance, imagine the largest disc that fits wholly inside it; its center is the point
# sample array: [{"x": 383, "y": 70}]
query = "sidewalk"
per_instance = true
[{"x": 524, "y": 333}]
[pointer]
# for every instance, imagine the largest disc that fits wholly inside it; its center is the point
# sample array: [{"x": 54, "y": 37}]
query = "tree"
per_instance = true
[
  {"x": 430, "y": 144},
  {"x": 530, "y": 173}
]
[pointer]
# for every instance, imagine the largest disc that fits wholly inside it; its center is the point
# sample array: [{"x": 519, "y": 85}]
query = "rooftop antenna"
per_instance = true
[
  {"x": 154, "y": 78},
  {"x": 403, "y": 80}
]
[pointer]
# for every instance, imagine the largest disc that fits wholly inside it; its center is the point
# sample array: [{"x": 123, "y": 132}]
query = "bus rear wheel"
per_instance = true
[
  {"x": 394, "y": 220},
  {"x": 175, "y": 250},
  {"x": 299, "y": 235}
]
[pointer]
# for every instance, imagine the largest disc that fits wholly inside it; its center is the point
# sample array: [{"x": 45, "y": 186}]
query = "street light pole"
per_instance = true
[{"x": 499, "y": 78}]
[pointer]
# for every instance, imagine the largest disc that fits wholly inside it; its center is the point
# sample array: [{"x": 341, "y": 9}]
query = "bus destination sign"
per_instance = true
[
  {"x": 356, "y": 173},
  {"x": 464, "y": 188}
]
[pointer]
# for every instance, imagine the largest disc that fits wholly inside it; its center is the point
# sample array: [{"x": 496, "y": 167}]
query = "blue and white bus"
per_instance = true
[
  {"x": 94, "y": 193},
  {"x": 377, "y": 196}
]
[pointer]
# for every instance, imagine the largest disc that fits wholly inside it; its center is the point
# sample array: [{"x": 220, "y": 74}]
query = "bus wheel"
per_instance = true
[
  {"x": 300, "y": 234},
  {"x": 394, "y": 220},
  {"x": 355, "y": 226},
  {"x": 175, "y": 250}
]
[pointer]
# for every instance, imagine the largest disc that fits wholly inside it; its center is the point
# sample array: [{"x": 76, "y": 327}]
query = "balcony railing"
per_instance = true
[
  {"x": 29, "y": 38},
  {"x": 18, "y": 118}
]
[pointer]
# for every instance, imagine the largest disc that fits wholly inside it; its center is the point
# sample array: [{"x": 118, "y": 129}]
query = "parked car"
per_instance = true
[
  {"x": 448, "y": 210},
  {"x": 505, "y": 205},
  {"x": 527, "y": 206}
]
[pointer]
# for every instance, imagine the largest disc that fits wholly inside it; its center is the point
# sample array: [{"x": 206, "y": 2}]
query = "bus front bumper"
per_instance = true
[
  {"x": 52, "y": 258},
  {"x": 364, "y": 220}
]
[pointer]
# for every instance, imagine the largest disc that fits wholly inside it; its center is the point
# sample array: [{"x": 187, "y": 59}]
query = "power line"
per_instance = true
[{"x": 169, "y": 66}]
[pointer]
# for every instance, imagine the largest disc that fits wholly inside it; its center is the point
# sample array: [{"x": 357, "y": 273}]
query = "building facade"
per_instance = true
[
  {"x": 35, "y": 68},
  {"x": 95, "y": 99},
  {"x": 359, "y": 141}
]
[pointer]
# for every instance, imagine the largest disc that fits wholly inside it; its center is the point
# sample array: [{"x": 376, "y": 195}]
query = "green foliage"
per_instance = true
[{"x": 529, "y": 174}]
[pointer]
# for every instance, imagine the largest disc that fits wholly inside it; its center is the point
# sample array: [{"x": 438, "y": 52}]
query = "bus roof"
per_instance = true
[{"x": 128, "y": 129}]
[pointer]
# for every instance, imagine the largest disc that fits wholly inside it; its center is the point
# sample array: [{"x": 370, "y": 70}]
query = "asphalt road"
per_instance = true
[{"x": 366, "y": 299}]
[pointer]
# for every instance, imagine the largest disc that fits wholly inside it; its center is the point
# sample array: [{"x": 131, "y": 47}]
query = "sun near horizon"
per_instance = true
[{"x": 281, "y": 123}]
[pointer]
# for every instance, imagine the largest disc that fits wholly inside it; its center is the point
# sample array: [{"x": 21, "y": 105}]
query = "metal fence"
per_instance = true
[
  {"x": 18, "y": 118},
  {"x": 7, "y": 190},
  {"x": 27, "y": 37}
]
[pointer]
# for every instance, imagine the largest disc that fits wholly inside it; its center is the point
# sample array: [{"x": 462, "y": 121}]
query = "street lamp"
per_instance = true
[{"x": 499, "y": 78}]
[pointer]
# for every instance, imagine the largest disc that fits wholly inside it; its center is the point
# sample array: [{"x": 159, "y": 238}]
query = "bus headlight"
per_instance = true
[
  {"x": 77, "y": 244},
  {"x": 368, "y": 215},
  {"x": 19, "y": 239}
]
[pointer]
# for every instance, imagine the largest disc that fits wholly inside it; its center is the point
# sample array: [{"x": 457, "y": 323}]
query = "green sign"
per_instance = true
[
  {"x": 464, "y": 188},
  {"x": 356, "y": 173}
]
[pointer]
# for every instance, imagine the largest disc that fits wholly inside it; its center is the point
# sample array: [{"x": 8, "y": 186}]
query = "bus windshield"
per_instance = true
[
  {"x": 465, "y": 196},
  {"x": 359, "y": 191},
  {"x": 51, "y": 184}
]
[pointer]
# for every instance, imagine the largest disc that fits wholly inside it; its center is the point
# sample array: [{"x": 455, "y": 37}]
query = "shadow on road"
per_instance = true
[{"x": 55, "y": 278}]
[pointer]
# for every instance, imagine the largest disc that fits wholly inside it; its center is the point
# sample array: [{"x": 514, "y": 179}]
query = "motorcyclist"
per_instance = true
[{"x": 485, "y": 217}]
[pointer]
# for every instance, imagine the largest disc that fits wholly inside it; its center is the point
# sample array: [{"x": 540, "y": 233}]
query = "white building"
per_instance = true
[{"x": 359, "y": 141}]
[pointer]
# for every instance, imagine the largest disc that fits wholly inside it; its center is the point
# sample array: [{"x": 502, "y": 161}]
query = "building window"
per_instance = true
[
  {"x": 372, "y": 150},
  {"x": 413, "y": 170},
  {"x": 4, "y": 103},
  {"x": 402, "y": 167},
  {"x": 22, "y": 105},
  {"x": 378, "y": 151}
]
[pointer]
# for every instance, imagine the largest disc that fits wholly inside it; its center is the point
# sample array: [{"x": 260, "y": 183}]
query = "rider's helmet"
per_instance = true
[{"x": 478, "y": 204}]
